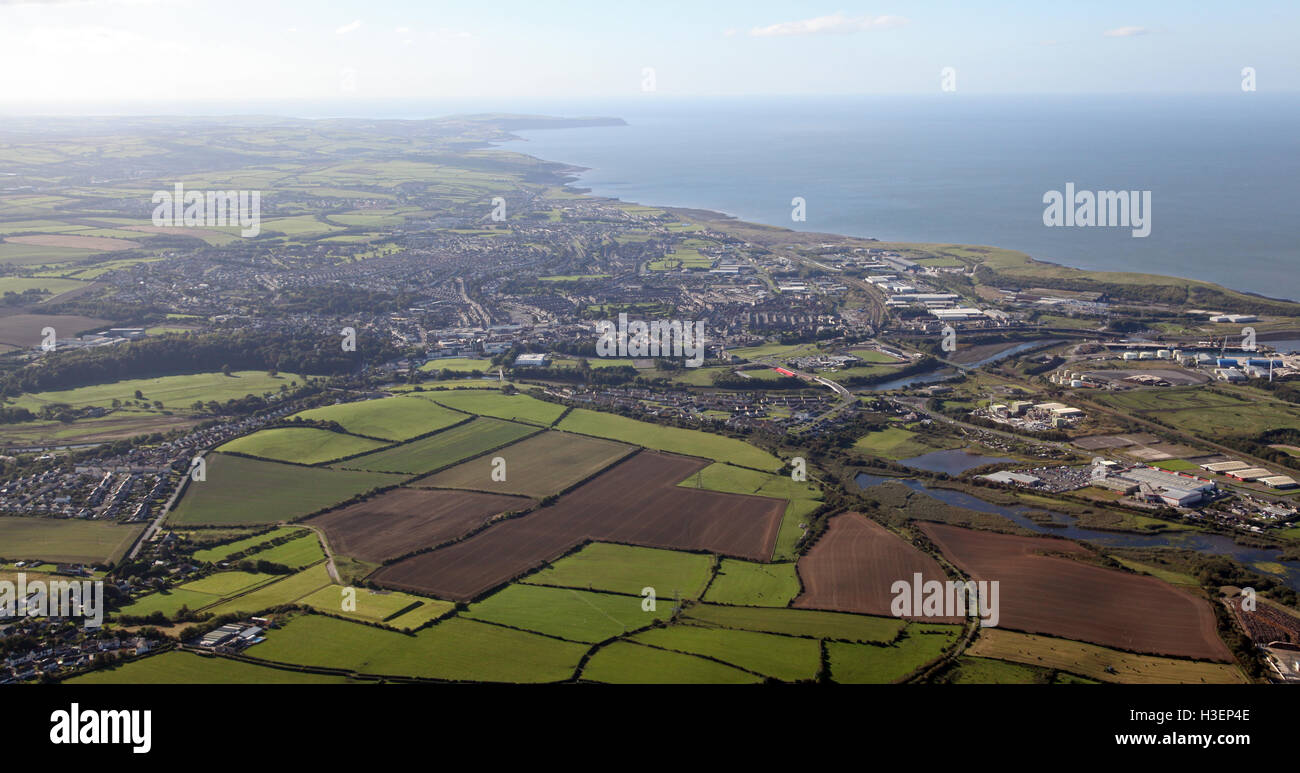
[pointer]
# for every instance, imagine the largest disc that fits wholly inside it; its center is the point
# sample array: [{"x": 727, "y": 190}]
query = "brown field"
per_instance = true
[
  {"x": 24, "y": 330},
  {"x": 402, "y": 520},
  {"x": 97, "y": 243},
  {"x": 637, "y": 502},
  {"x": 854, "y": 564},
  {"x": 1060, "y": 596},
  {"x": 536, "y": 467}
]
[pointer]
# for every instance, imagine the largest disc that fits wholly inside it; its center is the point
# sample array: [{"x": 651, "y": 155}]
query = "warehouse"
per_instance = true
[
  {"x": 1222, "y": 467},
  {"x": 1248, "y": 474},
  {"x": 1279, "y": 481}
]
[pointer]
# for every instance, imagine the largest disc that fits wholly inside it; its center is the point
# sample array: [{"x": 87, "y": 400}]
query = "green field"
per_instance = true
[
  {"x": 788, "y": 658},
  {"x": 189, "y": 668},
  {"x": 498, "y": 405},
  {"x": 682, "y": 441},
  {"x": 744, "y": 583},
  {"x": 455, "y": 649},
  {"x": 626, "y": 663},
  {"x": 300, "y": 445},
  {"x": 284, "y": 591},
  {"x": 226, "y": 583},
  {"x": 392, "y": 608},
  {"x": 392, "y": 418},
  {"x": 971, "y": 670},
  {"x": 803, "y": 498},
  {"x": 799, "y": 622},
  {"x": 624, "y": 569},
  {"x": 220, "y": 552},
  {"x": 896, "y": 443},
  {"x": 442, "y": 449},
  {"x": 871, "y": 664},
  {"x": 169, "y": 602},
  {"x": 295, "y": 554},
  {"x": 248, "y": 491},
  {"x": 569, "y": 614},
  {"x": 176, "y": 393},
  {"x": 65, "y": 540},
  {"x": 458, "y": 365}
]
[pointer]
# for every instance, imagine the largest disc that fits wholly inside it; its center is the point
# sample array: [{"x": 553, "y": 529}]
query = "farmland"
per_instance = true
[
  {"x": 543, "y": 464},
  {"x": 300, "y": 445},
  {"x": 189, "y": 668},
  {"x": 868, "y": 664},
  {"x": 402, "y": 520},
  {"x": 498, "y": 405},
  {"x": 174, "y": 392},
  {"x": 627, "y": 663},
  {"x": 220, "y": 552},
  {"x": 1064, "y": 596},
  {"x": 393, "y": 609},
  {"x": 566, "y": 613},
  {"x": 672, "y": 439},
  {"x": 441, "y": 449},
  {"x": 788, "y": 658},
  {"x": 626, "y": 569},
  {"x": 393, "y": 418},
  {"x": 65, "y": 541},
  {"x": 248, "y": 491},
  {"x": 277, "y": 593},
  {"x": 1093, "y": 661},
  {"x": 855, "y": 563},
  {"x": 799, "y": 622},
  {"x": 455, "y": 649},
  {"x": 636, "y": 502},
  {"x": 744, "y": 583}
]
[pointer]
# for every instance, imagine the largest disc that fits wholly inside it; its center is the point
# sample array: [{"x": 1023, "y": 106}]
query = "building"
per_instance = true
[
  {"x": 1222, "y": 467},
  {"x": 1171, "y": 488},
  {"x": 532, "y": 361},
  {"x": 1248, "y": 474},
  {"x": 1012, "y": 478}
]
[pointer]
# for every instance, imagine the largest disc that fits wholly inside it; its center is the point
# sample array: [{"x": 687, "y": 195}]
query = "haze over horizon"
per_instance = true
[{"x": 98, "y": 52}]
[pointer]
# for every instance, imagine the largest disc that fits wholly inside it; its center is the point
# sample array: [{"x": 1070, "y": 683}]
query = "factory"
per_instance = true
[{"x": 1170, "y": 488}]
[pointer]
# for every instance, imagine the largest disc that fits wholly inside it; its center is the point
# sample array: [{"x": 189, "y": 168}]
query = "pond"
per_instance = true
[{"x": 1210, "y": 544}]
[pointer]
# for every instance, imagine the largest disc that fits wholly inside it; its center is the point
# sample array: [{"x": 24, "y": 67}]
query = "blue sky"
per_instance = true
[{"x": 65, "y": 51}]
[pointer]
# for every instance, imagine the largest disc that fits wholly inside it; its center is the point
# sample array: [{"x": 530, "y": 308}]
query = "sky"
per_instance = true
[{"x": 59, "y": 53}]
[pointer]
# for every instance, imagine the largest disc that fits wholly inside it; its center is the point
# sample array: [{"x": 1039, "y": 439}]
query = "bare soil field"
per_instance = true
[
  {"x": 24, "y": 330},
  {"x": 537, "y": 466},
  {"x": 402, "y": 520},
  {"x": 854, "y": 564},
  {"x": 98, "y": 243},
  {"x": 1044, "y": 591},
  {"x": 636, "y": 502}
]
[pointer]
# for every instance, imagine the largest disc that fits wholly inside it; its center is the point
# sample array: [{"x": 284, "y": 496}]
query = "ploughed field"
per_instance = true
[
  {"x": 1061, "y": 596},
  {"x": 855, "y": 563},
  {"x": 635, "y": 502},
  {"x": 403, "y": 520}
]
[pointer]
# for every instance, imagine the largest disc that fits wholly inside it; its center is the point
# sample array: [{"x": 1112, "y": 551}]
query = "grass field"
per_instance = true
[
  {"x": 300, "y": 445},
  {"x": 458, "y": 365},
  {"x": 788, "y": 658},
  {"x": 455, "y": 649},
  {"x": 543, "y": 464},
  {"x": 394, "y": 418},
  {"x": 226, "y": 583},
  {"x": 498, "y": 405},
  {"x": 169, "y": 602},
  {"x": 626, "y": 569},
  {"x": 176, "y": 393},
  {"x": 295, "y": 554},
  {"x": 392, "y": 608},
  {"x": 973, "y": 670},
  {"x": 682, "y": 441},
  {"x": 248, "y": 491},
  {"x": 220, "y": 552},
  {"x": 896, "y": 443},
  {"x": 444, "y": 448},
  {"x": 570, "y": 614},
  {"x": 283, "y": 591},
  {"x": 627, "y": 663},
  {"x": 65, "y": 540},
  {"x": 189, "y": 668},
  {"x": 744, "y": 583},
  {"x": 799, "y": 622},
  {"x": 869, "y": 664},
  {"x": 1092, "y": 661}
]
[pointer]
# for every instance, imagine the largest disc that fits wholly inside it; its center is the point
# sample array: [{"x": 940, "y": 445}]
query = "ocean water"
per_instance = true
[{"x": 1221, "y": 169}]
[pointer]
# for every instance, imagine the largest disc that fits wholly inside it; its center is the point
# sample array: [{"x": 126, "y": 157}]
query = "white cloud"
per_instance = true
[
  {"x": 402, "y": 30},
  {"x": 1127, "y": 32},
  {"x": 835, "y": 23},
  {"x": 346, "y": 28}
]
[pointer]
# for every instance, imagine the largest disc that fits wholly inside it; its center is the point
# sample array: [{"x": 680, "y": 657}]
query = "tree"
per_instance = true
[
  {"x": 225, "y": 370},
  {"x": 139, "y": 395}
]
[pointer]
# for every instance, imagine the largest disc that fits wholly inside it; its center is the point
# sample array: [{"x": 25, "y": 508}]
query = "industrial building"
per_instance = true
[
  {"x": 1016, "y": 478},
  {"x": 1171, "y": 488},
  {"x": 532, "y": 361}
]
